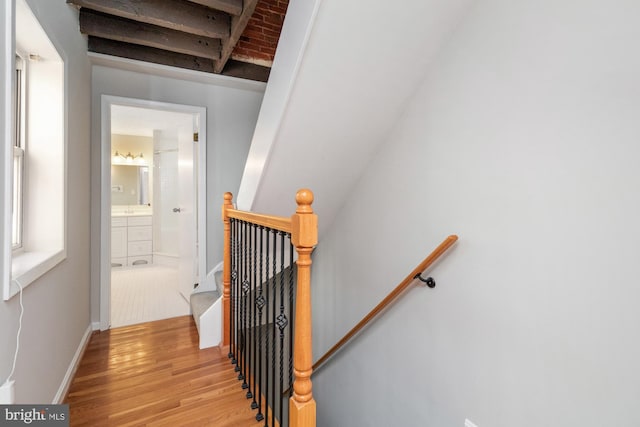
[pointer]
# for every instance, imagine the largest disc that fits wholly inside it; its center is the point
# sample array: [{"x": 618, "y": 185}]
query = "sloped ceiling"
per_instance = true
[{"x": 352, "y": 85}]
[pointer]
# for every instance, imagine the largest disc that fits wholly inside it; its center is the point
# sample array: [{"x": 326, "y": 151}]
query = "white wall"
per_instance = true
[
  {"x": 296, "y": 30},
  {"x": 57, "y": 304},
  {"x": 359, "y": 66},
  {"x": 522, "y": 139},
  {"x": 232, "y": 110}
]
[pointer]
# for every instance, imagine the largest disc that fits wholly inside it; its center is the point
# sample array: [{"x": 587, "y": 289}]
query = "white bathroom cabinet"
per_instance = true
[{"x": 131, "y": 240}]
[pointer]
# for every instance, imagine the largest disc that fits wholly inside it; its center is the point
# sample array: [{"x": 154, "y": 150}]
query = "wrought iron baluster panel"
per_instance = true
[{"x": 262, "y": 313}]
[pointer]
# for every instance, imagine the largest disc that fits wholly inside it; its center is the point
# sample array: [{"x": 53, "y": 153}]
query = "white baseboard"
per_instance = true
[
  {"x": 95, "y": 326},
  {"x": 73, "y": 366}
]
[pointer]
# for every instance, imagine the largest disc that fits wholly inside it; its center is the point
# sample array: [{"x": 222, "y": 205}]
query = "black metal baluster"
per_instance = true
[
  {"x": 235, "y": 293},
  {"x": 266, "y": 352},
  {"x": 245, "y": 290},
  {"x": 239, "y": 343},
  {"x": 273, "y": 330},
  {"x": 232, "y": 266},
  {"x": 282, "y": 324},
  {"x": 250, "y": 307},
  {"x": 243, "y": 248},
  {"x": 252, "y": 312},
  {"x": 230, "y": 354},
  {"x": 260, "y": 305},
  {"x": 254, "y": 331}
]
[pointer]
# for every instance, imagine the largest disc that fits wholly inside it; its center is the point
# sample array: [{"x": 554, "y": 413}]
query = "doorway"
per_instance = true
[{"x": 152, "y": 203}]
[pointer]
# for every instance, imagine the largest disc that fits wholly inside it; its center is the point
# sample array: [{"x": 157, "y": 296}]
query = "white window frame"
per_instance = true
[
  {"x": 19, "y": 101},
  {"x": 43, "y": 202},
  {"x": 16, "y": 199}
]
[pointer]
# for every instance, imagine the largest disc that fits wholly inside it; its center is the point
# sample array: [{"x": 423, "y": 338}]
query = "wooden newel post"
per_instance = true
[
  {"x": 304, "y": 236},
  {"x": 226, "y": 269}
]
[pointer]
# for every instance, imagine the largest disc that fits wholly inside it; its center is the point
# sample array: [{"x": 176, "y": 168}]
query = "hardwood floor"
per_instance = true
[{"x": 153, "y": 374}]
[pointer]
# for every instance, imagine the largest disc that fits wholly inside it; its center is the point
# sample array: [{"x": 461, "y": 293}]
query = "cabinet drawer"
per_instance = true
[
  {"x": 134, "y": 261},
  {"x": 139, "y": 220},
  {"x": 118, "y": 221},
  {"x": 139, "y": 248},
  {"x": 139, "y": 233}
]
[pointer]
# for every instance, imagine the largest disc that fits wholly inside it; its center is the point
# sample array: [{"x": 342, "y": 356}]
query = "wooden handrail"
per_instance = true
[
  {"x": 428, "y": 261},
  {"x": 279, "y": 223}
]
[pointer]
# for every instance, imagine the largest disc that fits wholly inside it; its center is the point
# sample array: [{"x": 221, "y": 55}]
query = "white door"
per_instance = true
[{"x": 186, "y": 210}]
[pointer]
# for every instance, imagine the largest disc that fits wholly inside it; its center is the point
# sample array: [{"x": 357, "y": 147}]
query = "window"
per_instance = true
[
  {"x": 36, "y": 195},
  {"x": 18, "y": 157}
]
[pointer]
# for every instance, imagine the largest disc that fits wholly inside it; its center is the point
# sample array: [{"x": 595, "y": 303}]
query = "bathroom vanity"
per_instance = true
[
  {"x": 131, "y": 239},
  {"x": 131, "y": 216}
]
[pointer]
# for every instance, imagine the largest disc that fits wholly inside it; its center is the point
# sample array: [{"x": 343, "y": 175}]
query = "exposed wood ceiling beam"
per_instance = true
[
  {"x": 244, "y": 70},
  {"x": 157, "y": 56},
  {"x": 125, "y": 30},
  {"x": 238, "y": 24},
  {"x": 149, "y": 54},
  {"x": 232, "y": 7},
  {"x": 180, "y": 15}
]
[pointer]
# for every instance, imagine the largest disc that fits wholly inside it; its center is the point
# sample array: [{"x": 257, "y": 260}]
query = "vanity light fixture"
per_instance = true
[
  {"x": 117, "y": 157},
  {"x": 129, "y": 158}
]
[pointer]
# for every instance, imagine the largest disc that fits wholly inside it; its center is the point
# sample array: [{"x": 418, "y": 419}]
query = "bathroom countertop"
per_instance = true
[
  {"x": 117, "y": 214},
  {"x": 120, "y": 211}
]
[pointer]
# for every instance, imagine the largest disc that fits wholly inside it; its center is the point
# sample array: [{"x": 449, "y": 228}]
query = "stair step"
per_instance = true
[{"x": 200, "y": 302}]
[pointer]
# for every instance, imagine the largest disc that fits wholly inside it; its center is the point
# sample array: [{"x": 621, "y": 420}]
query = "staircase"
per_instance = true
[{"x": 206, "y": 308}]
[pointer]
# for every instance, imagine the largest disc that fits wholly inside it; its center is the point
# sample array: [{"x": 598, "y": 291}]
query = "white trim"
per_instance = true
[
  {"x": 26, "y": 267},
  {"x": 73, "y": 367},
  {"x": 6, "y": 129},
  {"x": 174, "y": 72},
  {"x": 95, "y": 326},
  {"x": 105, "y": 190},
  {"x": 201, "y": 236},
  {"x": 36, "y": 256},
  {"x": 105, "y": 213}
]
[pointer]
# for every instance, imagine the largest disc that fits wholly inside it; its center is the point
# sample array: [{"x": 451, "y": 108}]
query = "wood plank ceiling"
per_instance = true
[{"x": 231, "y": 37}]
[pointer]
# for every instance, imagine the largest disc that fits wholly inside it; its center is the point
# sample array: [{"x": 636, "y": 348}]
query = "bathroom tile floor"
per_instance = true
[{"x": 144, "y": 294}]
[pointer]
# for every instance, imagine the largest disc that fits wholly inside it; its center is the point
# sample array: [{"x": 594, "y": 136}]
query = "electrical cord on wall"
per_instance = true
[{"x": 15, "y": 356}]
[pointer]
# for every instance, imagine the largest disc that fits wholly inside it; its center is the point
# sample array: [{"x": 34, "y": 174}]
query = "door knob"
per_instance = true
[{"x": 176, "y": 209}]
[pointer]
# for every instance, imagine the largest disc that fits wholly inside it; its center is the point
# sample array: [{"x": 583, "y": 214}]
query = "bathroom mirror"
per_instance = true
[{"x": 129, "y": 185}]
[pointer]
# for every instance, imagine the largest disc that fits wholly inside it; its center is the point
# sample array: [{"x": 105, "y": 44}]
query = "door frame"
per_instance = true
[{"x": 105, "y": 190}]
